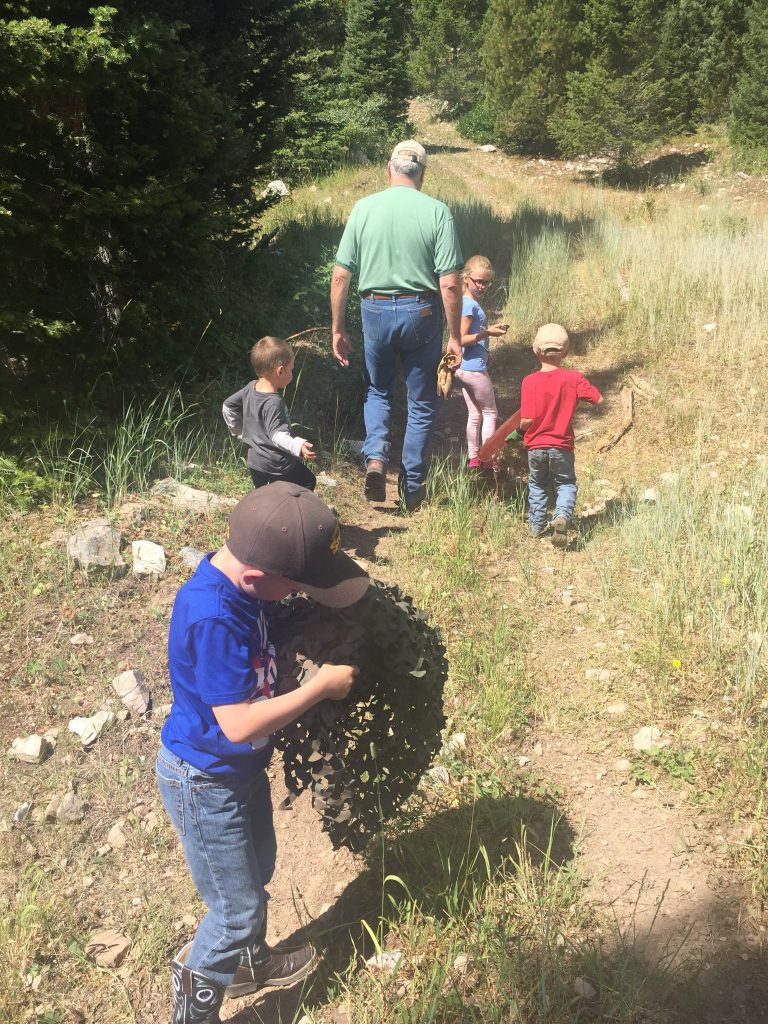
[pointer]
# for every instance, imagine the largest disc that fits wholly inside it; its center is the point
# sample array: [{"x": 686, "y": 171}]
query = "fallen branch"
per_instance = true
[
  {"x": 627, "y": 405},
  {"x": 643, "y": 387},
  {"x": 307, "y": 330}
]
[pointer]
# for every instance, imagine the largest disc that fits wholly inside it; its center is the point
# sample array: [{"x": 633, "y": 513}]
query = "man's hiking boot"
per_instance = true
[
  {"x": 376, "y": 481},
  {"x": 560, "y": 534},
  {"x": 264, "y": 966},
  {"x": 196, "y": 999}
]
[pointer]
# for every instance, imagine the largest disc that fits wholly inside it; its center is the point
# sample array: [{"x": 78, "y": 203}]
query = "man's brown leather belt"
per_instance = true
[{"x": 399, "y": 295}]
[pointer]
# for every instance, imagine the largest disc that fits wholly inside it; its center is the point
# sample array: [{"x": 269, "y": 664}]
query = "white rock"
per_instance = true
[
  {"x": 52, "y": 810},
  {"x": 603, "y": 675},
  {"x": 584, "y": 988},
  {"x": 81, "y": 640},
  {"x": 107, "y": 948},
  {"x": 95, "y": 545},
  {"x": 457, "y": 742},
  {"x": 116, "y": 837},
  {"x": 326, "y": 481},
  {"x": 185, "y": 497},
  {"x": 191, "y": 557},
  {"x": 21, "y": 812},
  {"x": 709, "y": 328},
  {"x": 487, "y": 148},
  {"x": 275, "y": 188},
  {"x": 386, "y": 960},
  {"x": 440, "y": 774},
  {"x": 31, "y": 749},
  {"x": 650, "y": 737},
  {"x": 622, "y": 764},
  {"x": 650, "y": 496},
  {"x": 620, "y": 708},
  {"x": 89, "y": 729},
  {"x": 133, "y": 691},
  {"x": 189, "y": 920},
  {"x": 523, "y": 761},
  {"x": 461, "y": 963},
  {"x": 148, "y": 558},
  {"x": 71, "y": 808}
]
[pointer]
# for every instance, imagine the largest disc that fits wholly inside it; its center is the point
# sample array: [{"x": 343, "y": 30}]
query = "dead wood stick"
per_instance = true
[
  {"x": 627, "y": 406},
  {"x": 643, "y": 387},
  {"x": 307, "y": 330}
]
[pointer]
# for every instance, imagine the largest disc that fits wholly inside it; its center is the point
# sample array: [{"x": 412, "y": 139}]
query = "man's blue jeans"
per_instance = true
[
  {"x": 410, "y": 332},
  {"x": 550, "y": 469},
  {"x": 225, "y": 826}
]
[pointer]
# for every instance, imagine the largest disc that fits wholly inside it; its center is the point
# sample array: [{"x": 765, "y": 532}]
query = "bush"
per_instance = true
[
  {"x": 476, "y": 124},
  {"x": 605, "y": 114}
]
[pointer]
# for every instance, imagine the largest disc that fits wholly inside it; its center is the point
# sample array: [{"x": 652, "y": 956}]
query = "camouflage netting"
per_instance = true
[{"x": 364, "y": 756}]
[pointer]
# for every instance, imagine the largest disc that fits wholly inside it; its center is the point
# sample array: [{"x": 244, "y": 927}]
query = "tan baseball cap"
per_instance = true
[
  {"x": 550, "y": 338},
  {"x": 287, "y": 530},
  {"x": 410, "y": 150}
]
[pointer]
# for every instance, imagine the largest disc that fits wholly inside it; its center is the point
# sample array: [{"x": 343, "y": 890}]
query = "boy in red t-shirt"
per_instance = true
[{"x": 547, "y": 403}]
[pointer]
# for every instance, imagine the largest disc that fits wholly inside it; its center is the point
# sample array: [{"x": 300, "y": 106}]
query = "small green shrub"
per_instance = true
[{"x": 477, "y": 124}]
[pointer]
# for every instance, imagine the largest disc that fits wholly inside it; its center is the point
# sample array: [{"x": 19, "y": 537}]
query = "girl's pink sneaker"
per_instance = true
[{"x": 474, "y": 463}]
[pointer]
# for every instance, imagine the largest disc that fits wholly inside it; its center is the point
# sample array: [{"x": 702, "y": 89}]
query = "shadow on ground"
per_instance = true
[
  {"x": 362, "y": 542},
  {"x": 432, "y": 859},
  {"x": 662, "y": 170}
]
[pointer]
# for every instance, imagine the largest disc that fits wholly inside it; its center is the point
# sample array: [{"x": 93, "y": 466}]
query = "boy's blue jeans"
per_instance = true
[
  {"x": 225, "y": 825},
  {"x": 407, "y": 331},
  {"x": 550, "y": 469}
]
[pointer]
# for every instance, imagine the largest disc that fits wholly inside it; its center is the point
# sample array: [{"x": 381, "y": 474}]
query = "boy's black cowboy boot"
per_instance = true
[
  {"x": 196, "y": 999},
  {"x": 263, "y": 966}
]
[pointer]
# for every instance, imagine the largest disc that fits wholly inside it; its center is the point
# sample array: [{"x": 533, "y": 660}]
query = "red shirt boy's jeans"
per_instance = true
[{"x": 550, "y": 470}]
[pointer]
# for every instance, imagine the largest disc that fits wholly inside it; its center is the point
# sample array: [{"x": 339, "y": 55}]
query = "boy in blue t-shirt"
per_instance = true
[{"x": 216, "y": 740}]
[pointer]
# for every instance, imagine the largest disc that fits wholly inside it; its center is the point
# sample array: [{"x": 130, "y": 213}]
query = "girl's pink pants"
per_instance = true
[{"x": 481, "y": 408}]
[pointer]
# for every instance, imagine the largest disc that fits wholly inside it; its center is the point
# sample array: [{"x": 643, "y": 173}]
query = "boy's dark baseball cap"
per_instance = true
[{"x": 287, "y": 530}]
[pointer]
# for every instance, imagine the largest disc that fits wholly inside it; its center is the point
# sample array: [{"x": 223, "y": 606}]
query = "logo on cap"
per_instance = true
[{"x": 335, "y": 540}]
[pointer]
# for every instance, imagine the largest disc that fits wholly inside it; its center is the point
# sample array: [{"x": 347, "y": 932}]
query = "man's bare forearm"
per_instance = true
[
  {"x": 450, "y": 290},
  {"x": 339, "y": 291}
]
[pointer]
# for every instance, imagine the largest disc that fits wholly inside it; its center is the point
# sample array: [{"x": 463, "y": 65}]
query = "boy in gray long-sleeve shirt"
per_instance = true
[{"x": 259, "y": 416}]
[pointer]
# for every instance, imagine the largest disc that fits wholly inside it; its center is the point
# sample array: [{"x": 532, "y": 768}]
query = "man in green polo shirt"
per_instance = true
[{"x": 403, "y": 247}]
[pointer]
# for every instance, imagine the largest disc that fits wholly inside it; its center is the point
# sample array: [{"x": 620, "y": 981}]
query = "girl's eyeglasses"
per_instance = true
[{"x": 479, "y": 282}]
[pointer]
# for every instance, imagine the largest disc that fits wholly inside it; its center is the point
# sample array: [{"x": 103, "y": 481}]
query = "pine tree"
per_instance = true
[
  {"x": 530, "y": 47},
  {"x": 448, "y": 57},
  {"x": 132, "y": 140},
  {"x": 376, "y": 55},
  {"x": 749, "y": 119},
  {"x": 698, "y": 58}
]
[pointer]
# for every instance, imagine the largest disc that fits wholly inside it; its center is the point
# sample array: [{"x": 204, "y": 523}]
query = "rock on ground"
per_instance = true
[
  {"x": 148, "y": 558},
  {"x": 133, "y": 690},
  {"x": 95, "y": 545},
  {"x": 185, "y": 497}
]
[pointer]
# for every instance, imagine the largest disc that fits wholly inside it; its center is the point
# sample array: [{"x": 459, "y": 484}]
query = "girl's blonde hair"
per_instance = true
[{"x": 477, "y": 263}]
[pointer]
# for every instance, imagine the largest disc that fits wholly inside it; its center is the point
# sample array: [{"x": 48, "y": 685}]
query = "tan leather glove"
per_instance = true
[{"x": 446, "y": 368}]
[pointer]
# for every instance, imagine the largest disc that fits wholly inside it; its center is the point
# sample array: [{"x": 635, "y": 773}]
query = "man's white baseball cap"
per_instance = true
[{"x": 410, "y": 150}]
